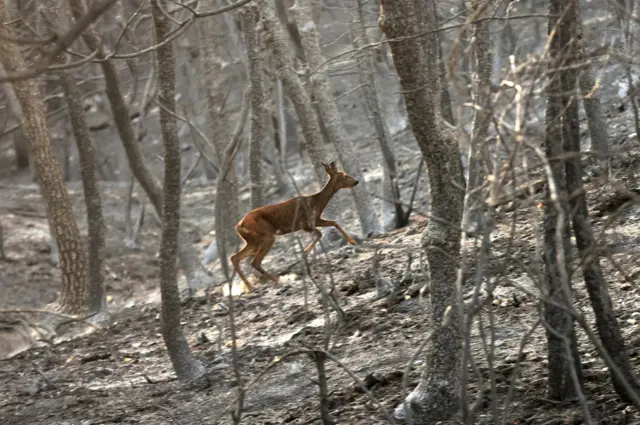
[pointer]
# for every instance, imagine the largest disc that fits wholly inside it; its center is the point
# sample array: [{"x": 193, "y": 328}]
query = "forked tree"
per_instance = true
[
  {"x": 437, "y": 395},
  {"x": 185, "y": 365},
  {"x": 74, "y": 291},
  {"x": 197, "y": 276}
]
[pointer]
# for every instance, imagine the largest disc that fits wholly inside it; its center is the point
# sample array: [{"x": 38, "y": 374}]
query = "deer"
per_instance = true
[{"x": 259, "y": 227}]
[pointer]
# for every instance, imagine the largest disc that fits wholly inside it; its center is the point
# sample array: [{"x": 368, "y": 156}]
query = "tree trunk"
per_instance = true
[
  {"x": 87, "y": 160},
  {"x": 562, "y": 356},
  {"x": 598, "y": 132},
  {"x": 250, "y": 15},
  {"x": 74, "y": 292},
  {"x": 437, "y": 395},
  {"x": 391, "y": 201},
  {"x": 285, "y": 70},
  {"x": 197, "y": 276},
  {"x": 321, "y": 90},
  {"x": 606, "y": 321},
  {"x": 213, "y": 42},
  {"x": 478, "y": 153},
  {"x": 185, "y": 365}
]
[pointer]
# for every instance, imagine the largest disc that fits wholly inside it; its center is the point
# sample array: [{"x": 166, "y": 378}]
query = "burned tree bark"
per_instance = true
[
  {"x": 478, "y": 154},
  {"x": 250, "y": 16},
  {"x": 437, "y": 395},
  {"x": 213, "y": 40},
  {"x": 197, "y": 276},
  {"x": 328, "y": 108},
  {"x": 74, "y": 292},
  {"x": 597, "y": 288},
  {"x": 390, "y": 189},
  {"x": 562, "y": 356},
  {"x": 285, "y": 70},
  {"x": 185, "y": 365}
]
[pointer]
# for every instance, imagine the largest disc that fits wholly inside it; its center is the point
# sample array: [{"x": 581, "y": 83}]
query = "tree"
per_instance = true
[
  {"x": 597, "y": 288},
  {"x": 92, "y": 199},
  {"x": 213, "y": 53},
  {"x": 321, "y": 91},
  {"x": 437, "y": 395},
  {"x": 285, "y": 70},
  {"x": 250, "y": 15},
  {"x": 562, "y": 352},
  {"x": 390, "y": 188},
  {"x": 74, "y": 291},
  {"x": 185, "y": 365},
  {"x": 478, "y": 154},
  {"x": 197, "y": 276}
]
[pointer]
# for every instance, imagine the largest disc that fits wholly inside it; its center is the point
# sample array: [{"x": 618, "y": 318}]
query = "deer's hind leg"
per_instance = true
[
  {"x": 247, "y": 251},
  {"x": 266, "y": 243}
]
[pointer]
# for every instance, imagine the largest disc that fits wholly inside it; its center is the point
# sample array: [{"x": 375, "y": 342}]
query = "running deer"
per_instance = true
[{"x": 259, "y": 228}]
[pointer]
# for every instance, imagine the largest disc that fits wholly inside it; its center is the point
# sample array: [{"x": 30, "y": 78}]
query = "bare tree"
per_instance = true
[
  {"x": 390, "y": 189},
  {"x": 328, "y": 109},
  {"x": 478, "y": 153},
  {"x": 197, "y": 276},
  {"x": 184, "y": 363},
  {"x": 605, "y": 316},
  {"x": 74, "y": 292},
  {"x": 437, "y": 395},
  {"x": 92, "y": 199},
  {"x": 285, "y": 70},
  {"x": 214, "y": 38},
  {"x": 250, "y": 15},
  {"x": 562, "y": 349}
]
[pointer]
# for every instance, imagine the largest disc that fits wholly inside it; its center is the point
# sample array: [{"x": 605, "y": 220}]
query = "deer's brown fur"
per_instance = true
[{"x": 259, "y": 227}]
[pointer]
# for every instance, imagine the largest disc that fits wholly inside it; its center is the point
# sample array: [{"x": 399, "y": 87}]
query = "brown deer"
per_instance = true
[{"x": 259, "y": 228}]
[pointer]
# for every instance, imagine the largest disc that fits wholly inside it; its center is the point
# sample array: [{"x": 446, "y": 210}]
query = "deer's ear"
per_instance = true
[
  {"x": 327, "y": 168},
  {"x": 332, "y": 164}
]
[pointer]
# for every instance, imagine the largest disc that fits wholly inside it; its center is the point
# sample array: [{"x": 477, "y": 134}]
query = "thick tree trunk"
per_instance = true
[
  {"x": 197, "y": 276},
  {"x": 250, "y": 16},
  {"x": 557, "y": 253},
  {"x": 53, "y": 18},
  {"x": 328, "y": 108},
  {"x": 74, "y": 293},
  {"x": 185, "y": 365},
  {"x": 437, "y": 395}
]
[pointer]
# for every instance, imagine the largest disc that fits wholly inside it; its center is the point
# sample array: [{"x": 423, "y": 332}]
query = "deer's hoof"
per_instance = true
[{"x": 352, "y": 241}]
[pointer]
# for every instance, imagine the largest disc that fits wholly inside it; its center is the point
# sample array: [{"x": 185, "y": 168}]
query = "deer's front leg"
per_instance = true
[
  {"x": 317, "y": 235},
  {"x": 321, "y": 222}
]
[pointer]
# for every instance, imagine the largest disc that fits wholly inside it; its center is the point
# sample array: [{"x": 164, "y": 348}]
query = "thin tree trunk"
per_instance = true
[
  {"x": 557, "y": 254},
  {"x": 213, "y": 41},
  {"x": 606, "y": 321},
  {"x": 74, "y": 292},
  {"x": 438, "y": 392},
  {"x": 321, "y": 90},
  {"x": 275, "y": 39},
  {"x": 391, "y": 200},
  {"x": 478, "y": 153},
  {"x": 250, "y": 16},
  {"x": 197, "y": 276},
  {"x": 185, "y": 365}
]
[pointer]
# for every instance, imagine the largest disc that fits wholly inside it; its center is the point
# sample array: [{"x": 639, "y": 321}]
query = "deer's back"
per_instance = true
[{"x": 286, "y": 216}]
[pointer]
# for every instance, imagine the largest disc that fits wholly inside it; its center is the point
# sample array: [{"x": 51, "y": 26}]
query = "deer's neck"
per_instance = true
[{"x": 323, "y": 197}]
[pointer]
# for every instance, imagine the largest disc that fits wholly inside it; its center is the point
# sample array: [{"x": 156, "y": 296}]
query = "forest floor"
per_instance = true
[{"x": 122, "y": 374}]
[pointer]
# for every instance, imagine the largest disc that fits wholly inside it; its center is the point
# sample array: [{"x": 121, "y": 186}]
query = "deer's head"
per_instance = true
[{"x": 339, "y": 179}]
